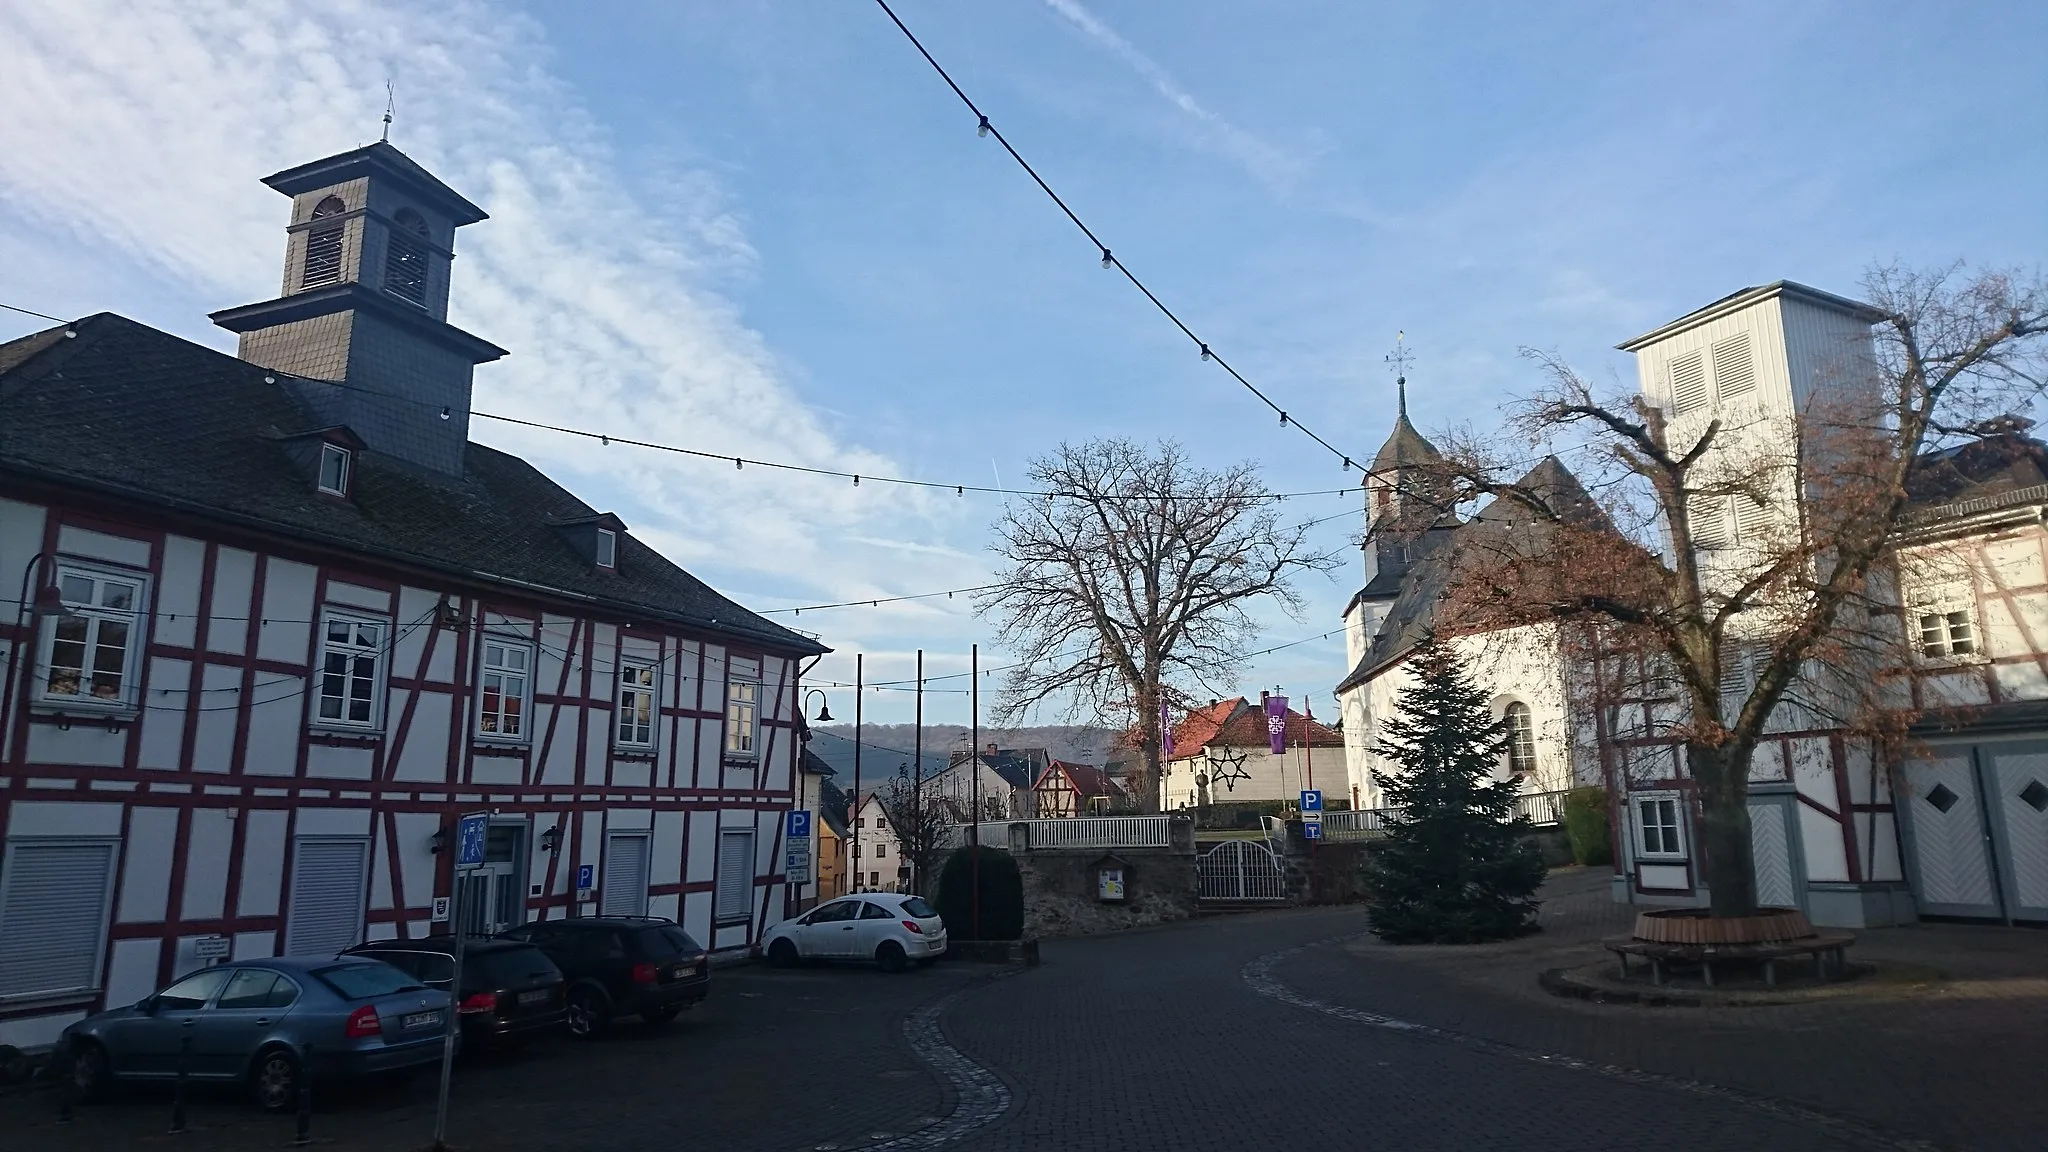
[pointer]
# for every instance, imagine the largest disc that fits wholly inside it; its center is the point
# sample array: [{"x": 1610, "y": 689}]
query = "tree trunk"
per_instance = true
[{"x": 1727, "y": 860}]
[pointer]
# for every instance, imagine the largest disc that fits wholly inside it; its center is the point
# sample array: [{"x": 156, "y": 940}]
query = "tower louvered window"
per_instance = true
[
  {"x": 405, "y": 258},
  {"x": 1689, "y": 382},
  {"x": 1734, "y": 368},
  {"x": 1709, "y": 518},
  {"x": 323, "y": 245},
  {"x": 1752, "y": 521}
]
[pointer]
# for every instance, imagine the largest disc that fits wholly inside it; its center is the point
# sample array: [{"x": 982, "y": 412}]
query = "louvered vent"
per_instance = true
[
  {"x": 405, "y": 260},
  {"x": 1709, "y": 516},
  {"x": 1734, "y": 368},
  {"x": 1752, "y": 520},
  {"x": 1689, "y": 383},
  {"x": 323, "y": 256},
  {"x": 1737, "y": 675}
]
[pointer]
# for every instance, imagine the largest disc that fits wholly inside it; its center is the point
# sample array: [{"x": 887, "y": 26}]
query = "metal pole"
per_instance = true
[
  {"x": 454, "y": 1011},
  {"x": 184, "y": 1068},
  {"x": 923, "y": 824},
  {"x": 859, "y": 690},
  {"x": 974, "y": 766},
  {"x": 302, "y": 1135}
]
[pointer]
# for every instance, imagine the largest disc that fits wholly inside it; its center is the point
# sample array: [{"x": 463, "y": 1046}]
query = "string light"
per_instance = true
[{"x": 1108, "y": 261}]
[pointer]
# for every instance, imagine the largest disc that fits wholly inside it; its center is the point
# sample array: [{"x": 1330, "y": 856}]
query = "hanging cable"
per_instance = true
[{"x": 1109, "y": 259}]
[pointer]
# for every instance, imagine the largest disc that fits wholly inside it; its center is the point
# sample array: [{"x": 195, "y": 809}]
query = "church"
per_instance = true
[{"x": 1953, "y": 820}]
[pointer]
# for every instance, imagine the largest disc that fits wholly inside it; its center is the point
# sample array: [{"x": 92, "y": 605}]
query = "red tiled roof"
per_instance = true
[
  {"x": 1086, "y": 779},
  {"x": 1238, "y": 723}
]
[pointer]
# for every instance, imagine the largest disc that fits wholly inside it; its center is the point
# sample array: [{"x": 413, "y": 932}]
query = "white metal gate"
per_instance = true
[{"x": 1239, "y": 870}]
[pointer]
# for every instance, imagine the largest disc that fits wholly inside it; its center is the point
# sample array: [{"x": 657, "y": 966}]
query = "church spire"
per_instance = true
[{"x": 1401, "y": 385}]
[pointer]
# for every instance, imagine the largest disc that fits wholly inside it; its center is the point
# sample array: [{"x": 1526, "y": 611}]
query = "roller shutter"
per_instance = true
[
  {"x": 625, "y": 875},
  {"x": 330, "y": 875},
  {"x": 54, "y": 903},
  {"x": 735, "y": 875}
]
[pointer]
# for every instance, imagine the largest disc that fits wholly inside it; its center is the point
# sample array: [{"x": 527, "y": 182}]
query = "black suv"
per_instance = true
[
  {"x": 508, "y": 990},
  {"x": 641, "y": 966}
]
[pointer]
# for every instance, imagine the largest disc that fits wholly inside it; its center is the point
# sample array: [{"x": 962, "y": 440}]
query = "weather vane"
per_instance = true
[
  {"x": 390, "y": 106},
  {"x": 1399, "y": 359},
  {"x": 1397, "y": 362}
]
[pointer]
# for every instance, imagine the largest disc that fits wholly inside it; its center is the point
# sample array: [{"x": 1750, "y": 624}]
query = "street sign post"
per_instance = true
[
  {"x": 1311, "y": 801},
  {"x": 1311, "y": 829},
  {"x": 472, "y": 834},
  {"x": 586, "y": 880},
  {"x": 796, "y": 856}
]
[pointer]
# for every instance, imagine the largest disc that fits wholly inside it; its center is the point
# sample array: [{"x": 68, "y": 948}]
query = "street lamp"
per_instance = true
[{"x": 824, "y": 709}]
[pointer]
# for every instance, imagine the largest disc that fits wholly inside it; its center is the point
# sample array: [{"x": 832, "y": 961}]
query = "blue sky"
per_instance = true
[{"x": 767, "y": 228}]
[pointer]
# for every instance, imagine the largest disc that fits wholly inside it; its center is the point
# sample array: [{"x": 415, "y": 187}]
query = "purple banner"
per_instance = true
[
  {"x": 1276, "y": 723},
  {"x": 1165, "y": 732}
]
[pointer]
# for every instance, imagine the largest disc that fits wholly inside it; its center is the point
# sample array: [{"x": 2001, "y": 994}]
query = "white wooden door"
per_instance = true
[
  {"x": 1948, "y": 848},
  {"x": 2016, "y": 778}
]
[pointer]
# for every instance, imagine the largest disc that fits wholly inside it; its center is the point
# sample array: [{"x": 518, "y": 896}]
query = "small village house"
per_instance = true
[
  {"x": 1067, "y": 789},
  {"x": 1223, "y": 754}
]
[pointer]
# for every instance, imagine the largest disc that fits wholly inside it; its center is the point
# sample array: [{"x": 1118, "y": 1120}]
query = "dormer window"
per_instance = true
[
  {"x": 335, "y": 464},
  {"x": 607, "y": 548},
  {"x": 405, "y": 258}
]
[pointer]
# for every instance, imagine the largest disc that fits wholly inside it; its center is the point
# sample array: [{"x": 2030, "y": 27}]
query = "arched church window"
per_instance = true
[
  {"x": 323, "y": 244},
  {"x": 1521, "y": 739},
  {"x": 405, "y": 258}
]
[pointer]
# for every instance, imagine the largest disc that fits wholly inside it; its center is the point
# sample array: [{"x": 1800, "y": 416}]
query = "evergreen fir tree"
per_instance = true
[{"x": 1455, "y": 867}]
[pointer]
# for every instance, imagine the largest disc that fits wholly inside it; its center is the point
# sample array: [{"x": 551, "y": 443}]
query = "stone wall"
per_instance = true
[{"x": 1061, "y": 898}]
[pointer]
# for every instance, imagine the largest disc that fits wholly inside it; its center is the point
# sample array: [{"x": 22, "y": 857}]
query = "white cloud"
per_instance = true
[
  {"x": 138, "y": 130},
  {"x": 1256, "y": 156}
]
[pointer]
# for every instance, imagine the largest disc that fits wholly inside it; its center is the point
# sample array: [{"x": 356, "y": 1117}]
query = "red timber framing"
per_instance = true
[{"x": 210, "y": 781}]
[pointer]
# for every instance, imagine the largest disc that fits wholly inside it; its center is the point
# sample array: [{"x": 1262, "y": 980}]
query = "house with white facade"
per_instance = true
[
  {"x": 272, "y": 622},
  {"x": 1223, "y": 754}
]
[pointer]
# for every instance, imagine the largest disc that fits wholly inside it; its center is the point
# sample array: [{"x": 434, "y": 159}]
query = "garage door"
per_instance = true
[{"x": 330, "y": 880}]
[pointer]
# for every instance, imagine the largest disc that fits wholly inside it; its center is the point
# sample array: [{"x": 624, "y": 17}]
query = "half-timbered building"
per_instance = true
[{"x": 272, "y": 621}]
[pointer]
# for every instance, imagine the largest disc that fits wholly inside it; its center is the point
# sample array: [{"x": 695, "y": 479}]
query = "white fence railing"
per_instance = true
[
  {"x": 1544, "y": 809},
  {"x": 1074, "y": 832}
]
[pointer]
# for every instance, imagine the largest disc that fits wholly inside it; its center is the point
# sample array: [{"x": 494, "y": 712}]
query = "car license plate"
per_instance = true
[
  {"x": 935, "y": 945},
  {"x": 419, "y": 1020},
  {"x": 537, "y": 996}
]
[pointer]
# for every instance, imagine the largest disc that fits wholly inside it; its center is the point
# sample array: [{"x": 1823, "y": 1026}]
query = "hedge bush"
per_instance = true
[
  {"x": 1585, "y": 825},
  {"x": 1002, "y": 895}
]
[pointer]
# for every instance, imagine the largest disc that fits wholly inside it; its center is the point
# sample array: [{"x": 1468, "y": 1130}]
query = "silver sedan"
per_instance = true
[{"x": 252, "y": 1021}]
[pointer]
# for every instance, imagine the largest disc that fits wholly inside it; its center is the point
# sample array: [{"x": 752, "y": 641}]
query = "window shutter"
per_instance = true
[
  {"x": 1734, "y": 368},
  {"x": 1752, "y": 520},
  {"x": 1738, "y": 675},
  {"x": 53, "y": 915},
  {"x": 625, "y": 875},
  {"x": 1689, "y": 382},
  {"x": 1709, "y": 515},
  {"x": 735, "y": 875},
  {"x": 329, "y": 875}
]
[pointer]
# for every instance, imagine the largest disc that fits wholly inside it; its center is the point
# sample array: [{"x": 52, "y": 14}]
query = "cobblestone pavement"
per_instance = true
[{"x": 774, "y": 1060}]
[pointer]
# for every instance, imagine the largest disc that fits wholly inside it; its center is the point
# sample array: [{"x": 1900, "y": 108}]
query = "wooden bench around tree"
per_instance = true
[{"x": 1826, "y": 952}]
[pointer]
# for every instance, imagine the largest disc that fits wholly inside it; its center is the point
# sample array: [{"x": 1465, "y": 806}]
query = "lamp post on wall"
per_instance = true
[{"x": 47, "y": 602}]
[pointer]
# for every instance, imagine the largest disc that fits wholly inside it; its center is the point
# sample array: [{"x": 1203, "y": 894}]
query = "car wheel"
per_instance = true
[
  {"x": 891, "y": 957},
  {"x": 589, "y": 1015},
  {"x": 90, "y": 1073},
  {"x": 275, "y": 1080},
  {"x": 782, "y": 953},
  {"x": 661, "y": 1016}
]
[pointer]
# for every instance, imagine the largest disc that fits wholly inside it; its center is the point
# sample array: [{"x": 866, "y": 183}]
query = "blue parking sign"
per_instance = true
[
  {"x": 470, "y": 834},
  {"x": 1312, "y": 800},
  {"x": 796, "y": 824},
  {"x": 586, "y": 877}
]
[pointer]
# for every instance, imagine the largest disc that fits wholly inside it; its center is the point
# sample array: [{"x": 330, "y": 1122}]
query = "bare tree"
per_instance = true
[
  {"x": 920, "y": 817},
  {"x": 1711, "y": 628},
  {"x": 1136, "y": 573}
]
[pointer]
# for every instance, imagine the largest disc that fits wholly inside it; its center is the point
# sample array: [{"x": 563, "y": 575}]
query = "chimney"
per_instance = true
[
  {"x": 992, "y": 749},
  {"x": 1263, "y": 696}
]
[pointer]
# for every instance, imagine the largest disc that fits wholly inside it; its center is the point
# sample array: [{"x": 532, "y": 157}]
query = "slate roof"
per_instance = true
[
  {"x": 137, "y": 414},
  {"x": 1503, "y": 527},
  {"x": 877, "y": 763},
  {"x": 2006, "y": 463},
  {"x": 1019, "y": 767}
]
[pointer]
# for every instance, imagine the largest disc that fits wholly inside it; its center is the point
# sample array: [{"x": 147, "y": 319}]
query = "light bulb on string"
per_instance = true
[
  {"x": 1205, "y": 352},
  {"x": 982, "y": 129},
  {"x": 1108, "y": 261}
]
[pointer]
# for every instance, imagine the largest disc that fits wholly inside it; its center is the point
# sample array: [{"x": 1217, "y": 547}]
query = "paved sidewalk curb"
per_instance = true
[
  {"x": 1258, "y": 975},
  {"x": 978, "y": 1096},
  {"x": 1878, "y": 981}
]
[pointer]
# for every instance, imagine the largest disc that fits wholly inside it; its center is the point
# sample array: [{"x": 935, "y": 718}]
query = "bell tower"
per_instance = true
[{"x": 364, "y": 304}]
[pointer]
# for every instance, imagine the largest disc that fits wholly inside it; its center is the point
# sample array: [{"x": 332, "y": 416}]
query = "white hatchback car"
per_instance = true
[{"x": 893, "y": 929}]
